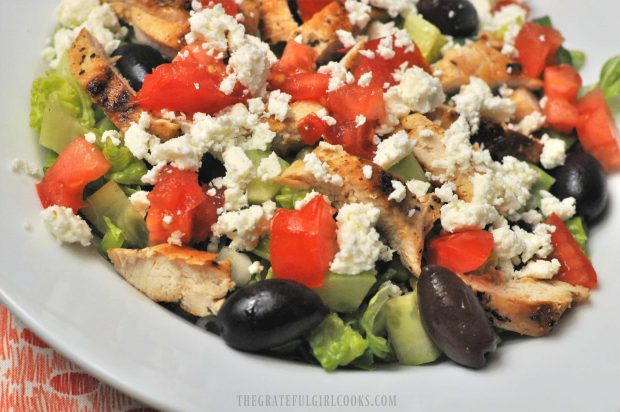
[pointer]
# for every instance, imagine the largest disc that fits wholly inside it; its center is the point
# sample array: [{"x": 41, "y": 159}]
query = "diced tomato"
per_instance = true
[
  {"x": 205, "y": 58},
  {"x": 205, "y": 215},
  {"x": 576, "y": 267},
  {"x": 597, "y": 130},
  {"x": 308, "y": 8},
  {"x": 561, "y": 114},
  {"x": 311, "y": 128},
  {"x": 382, "y": 68},
  {"x": 352, "y": 100},
  {"x": 230, "y": 6},
  {"x": 303, "y": 242},
  {"x": 175, "y": 200},
  {"x": 184, "y": 86},
  {"x": 355, "y": 140},
  {"x": 77, "y": 165},
  {"x": 461, "y": 252},
  {"x": 536, "y": 44},
  {"x": 306, "y": 86},
  {"x": 503, "y": 3},
  {"x": 297, "y": 58},
  {"x": 562, "y": 82}
]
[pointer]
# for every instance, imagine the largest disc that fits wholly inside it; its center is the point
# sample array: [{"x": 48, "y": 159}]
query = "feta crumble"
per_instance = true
[
  {"x": 399, "y": 193},
  {"x": 21, "y": 166},
  {"x": 269, "y": 168},
  {"x": 318, "y": 169},
  {"x": 140, "y": 201},
  {"x": 358, "y": 240},
  {"x": 176, "y": 238},
  {"x": 65, "y": 226},
  {"x": 418, "y": 187},
  {"x": 358, "y": 12},
  {"x": 299, "y": 204},
  {"x": 550, "y": 204},
  {"x": 393, "y": 149},
  {"x": 278, "y": 104},
  {"x": 554, "y": 152},
  {"x": 367, "y": 172},
  {"x": 530, "y": 123},
  {"x": 540, "y": 269},
  {"x": 245, "y": 227}
]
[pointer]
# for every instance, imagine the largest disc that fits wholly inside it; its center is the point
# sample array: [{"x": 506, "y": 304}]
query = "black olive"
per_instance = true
[
  {"x": 583, "y": 178},
  {"x": 269, "y": 314},
  {"x": 210, "y": 169},
  {"x": 136, "y": 61},
  {"x": 457, "y": 18},
  {"x": 453, "y": 317}
]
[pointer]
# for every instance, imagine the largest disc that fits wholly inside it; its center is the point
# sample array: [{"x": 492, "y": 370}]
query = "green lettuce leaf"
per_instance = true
[
  {"x": 126, "y": 169},
  {"x": 335, "y": 344},
  {"x": 113, "y": 237},
  {"x": 373, "y": 327},
  {"x": 288, "y": 197},
  {"x": 610, "y": 77},
  {"x": 62, "y": 85}
]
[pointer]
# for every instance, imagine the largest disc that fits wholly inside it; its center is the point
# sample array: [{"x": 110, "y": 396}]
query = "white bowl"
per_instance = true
[{"x": 73, "y": 299}]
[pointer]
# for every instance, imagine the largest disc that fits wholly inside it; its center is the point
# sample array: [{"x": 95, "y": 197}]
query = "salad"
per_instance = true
[{"x": 348, "y": 183}]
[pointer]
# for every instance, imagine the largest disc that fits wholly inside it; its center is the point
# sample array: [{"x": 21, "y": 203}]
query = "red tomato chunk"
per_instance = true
[{"x": 461, "y": 252}]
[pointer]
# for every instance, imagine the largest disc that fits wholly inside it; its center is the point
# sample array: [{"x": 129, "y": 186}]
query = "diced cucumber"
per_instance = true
[
  {"x": 578, "y": 229},
  {"x": 110, "y": 201},
  {"x": 544, "y": 182},
  {"x": 408, "y": 169},
  {"x": 426, "y": 36},
  {"x": 345, "y": 293},
  {"x": 59, "y": 128},
  {"x": 288, "y": 197},
  {"x": 259, "y": 191},
  {"x": 409, "y": 339}
]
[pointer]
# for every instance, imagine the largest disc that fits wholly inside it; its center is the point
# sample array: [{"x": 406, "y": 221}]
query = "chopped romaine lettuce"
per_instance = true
[
  {"x": 126, "y": 169},
  {"x": 373, "y": 325},
  {"x": 113, "y": 237},
  {"x": 610, "y": 77},
  {"x": 61, "y": 85},
  {"x": 335, "y": 344},
  {"x": 578, "y": 229}
]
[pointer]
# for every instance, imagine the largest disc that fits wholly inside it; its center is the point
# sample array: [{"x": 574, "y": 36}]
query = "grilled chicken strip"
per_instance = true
[
  {"x": 95, "y": 72},
  {"x": 429, "y": 148},
  {"x": 277, "y": 21},
  {"x": 320, "y": 31},
  {"x": 405, "y": 234},
  {"x": 288, "y": 138},
  {"x": 527, "y": 306},
  {"x": 525, "y": 103},
  {"x": 168, "y": 273},
  {"x": 483, "y": 61}
]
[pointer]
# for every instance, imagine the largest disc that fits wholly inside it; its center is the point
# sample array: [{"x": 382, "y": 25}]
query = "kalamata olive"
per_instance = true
[
  {"x": 453, "y": 317},
  {"x": 457, "y": 18},
  {"x": 136, "y": 61},
  {"x": 210, "y": 169},
  {"x": 583, "y": 178},
  {"x": 268, "y": 314}
]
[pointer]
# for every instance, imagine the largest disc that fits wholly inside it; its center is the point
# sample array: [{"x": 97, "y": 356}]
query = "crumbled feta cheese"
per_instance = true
[
  {"x": 460, "y": 214},
  {"x": 167, "y": 219},
  {"x": 228, "y": 84},
  {"x": 150, "y": 178},
  {"x": 540, "y": 269},
  {"x": 239, "y": 173},
  {"x": 418, "y": 91},
  {"x": 176, "y": 238},
  {"x": 513, "y": 181},
  {"x": 278, "y": 104},
  {"x": 445, "y": 193},
  {"x": 322, "y": 114},
  {"x": 358, "y": 240},
  {"x": 245, "y": 227},
  {"x": 65, "y": 226},
  {"x": 256, "y": 106},
  {"x": 111, "y": 135},
  {"x": 138, "y": 140},
  {"x": 507, "y": 243},
  {"x": 368, "y": 54},
  {"x": 214, "y": 27},
  {"x": 530, "y": 123},
  {"x": 255, "y": 268},
  {"x": 476, "y": 99},
  {"x": 418, "y": 187},
  {"x": 251, "y": 62},
  {"x": 378, "y": 29},
  {"x": 358, "y": 12},
  {"x": 385, "y": 48},
  {"x": 365, "y": 79},
  {"x": 140, "y": 202},
  {"x": 538, "y": 243},
  {"x": 346, "y": 38},
  {"x": 318, "y": 169},
  {"x": 394, "y": 7},
  {"x": 367, "y": 171},
  {"x": 269, "y": 168},
  {"x": 458, "y": 148},
  {"x": 75, "y": 15},
  {"x": 554, "y": 152},
  {"x": 338, "y": 75},
  {"x": 90, "y": 137},
  {"x": 532, "y": 217},
  {"x": 26, "y": 167},
  {"x": 393, "y": 149},
  {"x": 399, "y": 193},
  {"x": 299, "y": 204},
  {"x": 360, "y": 120},
  {"x": 550, "y": 204},
  {"x": 505, "y": 17}
]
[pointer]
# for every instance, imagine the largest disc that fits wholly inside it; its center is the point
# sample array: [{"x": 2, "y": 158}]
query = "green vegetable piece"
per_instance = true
[
  {"x": 113, "y": 238},
  {"x": 610, "y": 77},
  {"x": 406, "y": 332},
  {"x": 544, "y": 182},
  {"x": 335, "y": 344},
  {"x": 578, "y": 58},
  {"x": 544, "y": 21},
  {"x": 126, "y": 169},
  {"x": 564, "y": 56},
  {"x": 111, "y": 201},
  {"x": 61, "y": 84},
  {"x": 345, "y": 293},
  {"x": 375, "y": 325},
  {"x": 58, "y": 128},
  {"x": 409, "y": 168},
  {"x": 259, "y": 191},
  {"x": 426, "y": 36},
  {"x": 579, "y": 231},
  {"x": 262, "y": 249},
  {"x": 288, "y": 197}
]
